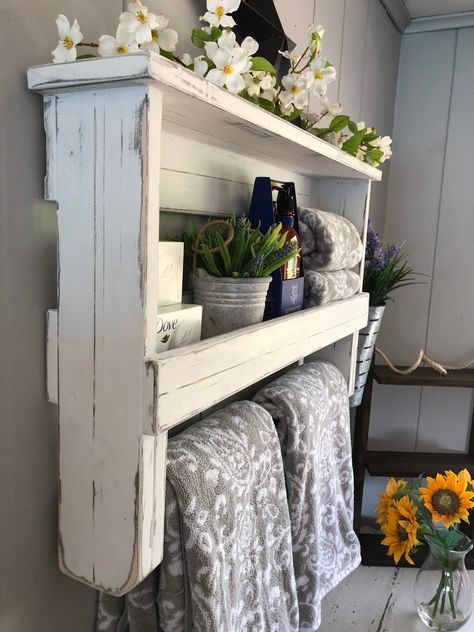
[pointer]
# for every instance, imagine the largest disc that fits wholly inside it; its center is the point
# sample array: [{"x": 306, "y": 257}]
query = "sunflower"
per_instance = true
[
  {"x": 401, "y": 529},
  {"x": 386, "y": 500},
  {"x": 462, "y": 476},
  {"x": 448, "y": 498}
]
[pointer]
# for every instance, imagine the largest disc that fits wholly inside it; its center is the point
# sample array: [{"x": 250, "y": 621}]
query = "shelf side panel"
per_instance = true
[{"x": 107, "y": 220}]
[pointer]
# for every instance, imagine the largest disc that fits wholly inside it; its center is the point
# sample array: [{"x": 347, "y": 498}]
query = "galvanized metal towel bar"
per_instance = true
[{"x": 117, "y": 398}]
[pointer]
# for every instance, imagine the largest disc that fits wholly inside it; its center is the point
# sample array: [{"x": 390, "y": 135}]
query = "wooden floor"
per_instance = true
[{"x": 375, "y": 600}]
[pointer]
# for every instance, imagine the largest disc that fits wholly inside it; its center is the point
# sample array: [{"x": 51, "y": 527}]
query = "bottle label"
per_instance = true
[{"x": 292, "y": 266}]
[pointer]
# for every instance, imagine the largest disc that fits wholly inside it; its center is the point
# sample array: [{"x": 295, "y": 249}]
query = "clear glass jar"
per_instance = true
[{"x": 443, "y": 592}]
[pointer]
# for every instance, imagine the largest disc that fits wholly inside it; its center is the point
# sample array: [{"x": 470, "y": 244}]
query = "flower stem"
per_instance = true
[{"x": 91, "y": 44}]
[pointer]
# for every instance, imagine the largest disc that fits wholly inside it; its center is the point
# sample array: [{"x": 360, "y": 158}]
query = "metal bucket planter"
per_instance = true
[
  {"x": 365, "y": 352},
  {"x": 229, "y": 303}
]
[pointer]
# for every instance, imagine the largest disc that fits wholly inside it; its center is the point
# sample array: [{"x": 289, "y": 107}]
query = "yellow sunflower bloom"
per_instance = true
[
  {"x": 401, "y": 529},
  {"x": 386, "y": 500},
  {"x": 448, "y": 498}
]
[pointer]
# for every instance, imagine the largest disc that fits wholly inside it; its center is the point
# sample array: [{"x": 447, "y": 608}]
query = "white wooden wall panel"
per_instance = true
[
  {"x": 382, "y": 53},
  {"x": 451, "y": 316},
  {"x": 353, "y": 57},
  {"x": 426, "y": 66},
  {"x": 430, "y": 205},
  {"x": 330, "y": 13}
]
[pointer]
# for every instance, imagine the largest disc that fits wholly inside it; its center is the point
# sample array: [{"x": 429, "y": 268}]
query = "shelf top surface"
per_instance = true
[
  {"x": 425, "y": 376},
  {"x": 203, "y": 108}
]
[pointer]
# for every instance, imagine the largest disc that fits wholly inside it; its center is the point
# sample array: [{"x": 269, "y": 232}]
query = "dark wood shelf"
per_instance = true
[
  {"x": 412, "y": 464},
  {"x": 424, "y": 376}
]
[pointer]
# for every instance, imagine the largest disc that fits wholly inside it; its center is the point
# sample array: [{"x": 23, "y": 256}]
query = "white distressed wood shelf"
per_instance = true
[{"x": 117, "y": 398}]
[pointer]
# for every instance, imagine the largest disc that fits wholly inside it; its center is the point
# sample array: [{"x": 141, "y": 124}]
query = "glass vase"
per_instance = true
[{"x": 443, "y": 592}]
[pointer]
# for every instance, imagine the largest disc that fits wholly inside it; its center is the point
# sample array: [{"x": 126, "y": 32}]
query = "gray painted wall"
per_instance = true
[{"x": 34, "y": 595}]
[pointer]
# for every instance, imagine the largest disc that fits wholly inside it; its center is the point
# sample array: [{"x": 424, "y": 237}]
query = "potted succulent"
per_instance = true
[
  {"x": 386, "y": 270},
  {"x": 232, "y": 264}
]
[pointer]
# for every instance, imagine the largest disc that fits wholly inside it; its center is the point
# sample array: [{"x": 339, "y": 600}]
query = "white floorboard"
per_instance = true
[{"x": 375, "y": 600}]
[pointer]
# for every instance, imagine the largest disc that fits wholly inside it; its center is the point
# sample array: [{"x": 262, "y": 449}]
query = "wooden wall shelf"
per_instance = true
[
  {"x": 424, "y": 376},
  {"x": 118, "y": 398}
]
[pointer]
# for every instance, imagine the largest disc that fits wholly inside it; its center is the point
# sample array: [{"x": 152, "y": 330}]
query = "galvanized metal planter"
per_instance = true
[{"x": 365, "y": 352}]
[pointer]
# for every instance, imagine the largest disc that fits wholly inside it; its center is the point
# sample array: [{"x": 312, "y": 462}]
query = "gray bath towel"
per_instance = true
[
  {"x": 311, "y": 410},
  {"x": 227, "y": 564},
  {"x": 328, "y": 241},
  {"x": 325, "y": 287}
]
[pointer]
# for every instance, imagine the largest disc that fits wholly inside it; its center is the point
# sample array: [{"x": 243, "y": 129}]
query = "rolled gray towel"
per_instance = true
[
  {"x": 325, "y": 287},
  {"x": 308, "y": 244},
  {"x": 337, "y": 244}
]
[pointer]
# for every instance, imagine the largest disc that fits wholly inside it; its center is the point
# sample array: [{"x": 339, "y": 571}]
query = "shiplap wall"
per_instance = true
[
  {"x": 360, "y": 39},
  {"x": 431, "y": 206}
]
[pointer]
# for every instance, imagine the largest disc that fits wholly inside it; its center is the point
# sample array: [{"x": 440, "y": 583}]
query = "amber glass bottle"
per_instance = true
[{"x": 285, "y": 214}]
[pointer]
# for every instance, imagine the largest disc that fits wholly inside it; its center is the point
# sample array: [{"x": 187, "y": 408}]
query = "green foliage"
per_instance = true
[
  {"x": 396, "y": 274},
  {"x": 249, "y": 253},
  {"x": 262, "y": 64}
]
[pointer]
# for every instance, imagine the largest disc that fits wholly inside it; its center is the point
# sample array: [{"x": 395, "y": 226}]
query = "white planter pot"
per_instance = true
[
  {"x": 229, "y": 303},
  {"x": 365, "y": 352}
]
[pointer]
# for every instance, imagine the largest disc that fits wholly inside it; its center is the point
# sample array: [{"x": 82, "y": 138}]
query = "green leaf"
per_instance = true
[
  {"x": 86, "y": 56},
  {"x": 352, "y": 144},
  {"x": 266, "y": 104},
  {"x": 165, "y": 53},
  {"x": 338, "y": 123},
  {"x": 373, "y": 156},
  {"x": 368, "y": 138},
  {"x": 199, "y": 37},
  {"x": 260, "y": 63},
  {"x": 352, "y": 126},
  {"x": 215, "y": 33},
  {"x": 292, "y": 117}
]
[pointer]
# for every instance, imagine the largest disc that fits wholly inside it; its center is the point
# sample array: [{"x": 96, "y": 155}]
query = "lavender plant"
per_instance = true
[{"x": 386, "y": 269}]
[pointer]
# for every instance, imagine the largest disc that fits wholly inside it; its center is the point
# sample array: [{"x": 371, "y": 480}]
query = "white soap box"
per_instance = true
[
  {"x": 170, "y": 272},
  {"x": 178, "y": 326}
]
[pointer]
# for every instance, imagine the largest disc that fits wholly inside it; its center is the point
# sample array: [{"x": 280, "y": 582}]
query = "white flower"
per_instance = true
[
  {"x": 186, "y": 59},
  {"x": 123, "y": 43},
  {"x": 361, "y": 125},
  {"x": 226, "y": 40},
  {"x": 295, "y": 56},
  {"x": 335, "y": 138},
  {"x": 331, "y": 108},
  {"x": 250, "y": 45},
  {"x": 296, "y": 91},
  {"x": 230, "y": 66},
  {"x": 217, "y": 12},
  {"x": 161, "y": 37},
  {"x": 323, "y": 75},
  {"x": 260, "y": 83},
  {"x": 315, "y": 37},
  {"x": 139, "y": 21},
  {"x": 200, "y": 65},
  {"x": 69, "y": 37},
  {"x": 384, "y": 144}
]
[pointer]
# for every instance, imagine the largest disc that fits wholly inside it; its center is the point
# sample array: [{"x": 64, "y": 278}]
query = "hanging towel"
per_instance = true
[
  {"x": 228, "y": 564},
  {"x": 329, "y": 241},
  {"x": 310, "y": 407},
  {"x": 325, "y": 287}
]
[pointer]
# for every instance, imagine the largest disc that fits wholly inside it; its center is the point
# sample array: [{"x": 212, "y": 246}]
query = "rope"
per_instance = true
[
  {"x": 200, "y": 236},
  {"x": 423, "y": 358}
]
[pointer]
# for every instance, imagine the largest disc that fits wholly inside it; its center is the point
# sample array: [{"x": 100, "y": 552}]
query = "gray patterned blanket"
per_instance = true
[
  {"x": 325, "y": 287},
  {"x": 227, "y": 564},
  {"x": 311, "y": 410},
  {"x": 328, "y": 241}
]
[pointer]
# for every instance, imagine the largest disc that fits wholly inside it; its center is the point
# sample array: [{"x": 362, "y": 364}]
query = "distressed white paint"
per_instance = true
[
  {"x": 375, "y": 600},
  {"x": 117, "y": 397}
]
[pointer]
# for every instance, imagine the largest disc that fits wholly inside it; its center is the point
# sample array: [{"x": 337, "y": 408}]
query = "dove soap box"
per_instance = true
[
  {"x": 177, "y": 326},
  {"x": 170, "y": 272}
]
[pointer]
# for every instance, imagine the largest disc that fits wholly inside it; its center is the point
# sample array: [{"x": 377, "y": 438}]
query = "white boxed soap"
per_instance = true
[
  {"x": 170, "y": 272},
  {"x": 178, "y": 326}
]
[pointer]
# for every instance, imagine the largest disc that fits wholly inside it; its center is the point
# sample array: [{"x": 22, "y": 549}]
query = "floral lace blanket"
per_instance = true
[
  {"x": 325, "y": 287},
  {"x": 227, "y": 564},
  {"x": 310, "y": 408}
]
